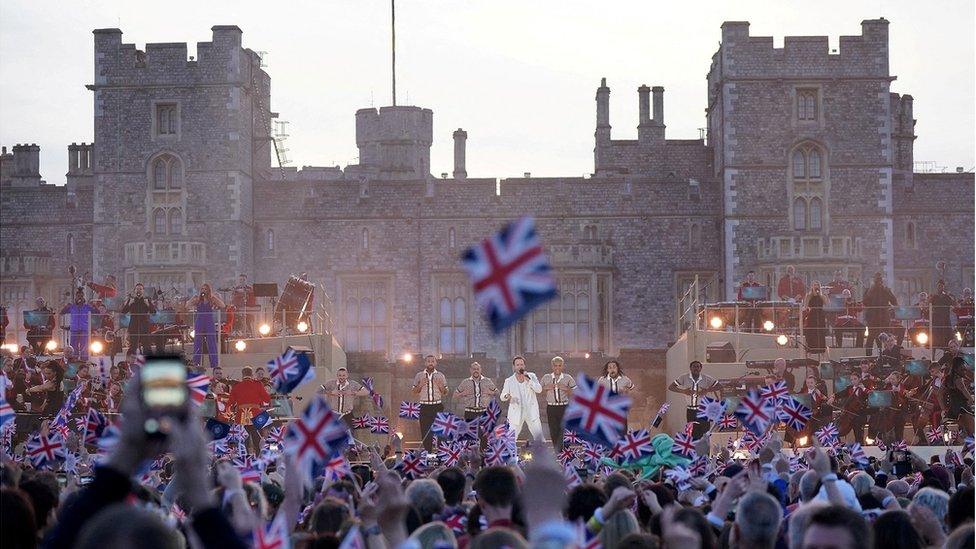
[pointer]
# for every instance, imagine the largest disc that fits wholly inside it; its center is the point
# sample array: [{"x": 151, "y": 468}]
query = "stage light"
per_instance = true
[
  {"x": 399, "y": 435},
  {"x": 51, "y": 345},
  {"x": 768, "y": 325},
  {"x": 958, "y": 336},
  {"x": 264, "y": 329},
  {"x": 803, "y": 441},
  {"x": 586, "y": 355},
  {"x": 782, "y": 340},
  {"x": 865, "y": 331},
  {"x": 868, "y": 440},
  {"x": 240, "y": 345},
  {"x": 716, "y": 322},
  {"x": 96, "y": 347},
  {"x": 526, "y": 456},
  {"x": 947, "y": 437},
  {"x": 193, "y": 334},
  {"x": 408, "y": 358},
  {"x": 302, "y": 326},
  {"x": 922, "y": 338},
  {"x": 10, "y": 347}
]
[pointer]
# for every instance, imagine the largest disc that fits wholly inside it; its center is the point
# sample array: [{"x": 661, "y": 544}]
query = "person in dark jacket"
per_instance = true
[
  {"x": 139, "y": 307},
  {"x": 941, "y": 303},
  {"x": 39, "y": 323},
  {"x": 877, "y": 314}
]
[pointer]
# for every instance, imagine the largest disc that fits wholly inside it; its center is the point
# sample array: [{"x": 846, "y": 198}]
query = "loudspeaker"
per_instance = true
[
  {"x": 266, "y": 290},
  {"x": 720, "y": 351}
]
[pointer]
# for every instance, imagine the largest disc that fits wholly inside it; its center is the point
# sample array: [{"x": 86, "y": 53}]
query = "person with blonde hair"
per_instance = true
[
  {"x": 618, "y": 526},
  {"x": 558, "y": 387},
  {"x": 434, "y": 534}
]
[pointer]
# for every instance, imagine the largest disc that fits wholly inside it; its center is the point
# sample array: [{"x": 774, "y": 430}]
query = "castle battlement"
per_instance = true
[
  {"x": 745, "y": 56},
  {"x": 222, "y": 60}
]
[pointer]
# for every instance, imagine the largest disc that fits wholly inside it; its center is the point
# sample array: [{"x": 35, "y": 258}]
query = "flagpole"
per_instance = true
[{"x": 393, "y": 45}]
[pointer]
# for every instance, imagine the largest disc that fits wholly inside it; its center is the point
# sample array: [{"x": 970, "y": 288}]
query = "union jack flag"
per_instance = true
[
  {"x": 276, "y": 435},
  {"x": 94, "y": 426},
  {"x": 43, "y": 450},
  {"x": 337, "y": 468},
  {"x": 290, "y": 370},
  {"x": 595, "y": 413},
  {"x": 316, "y": 436},
  {"x": 636, "y": 444},
  {"x": 496, "y": 453},
  {"x": 753, "y": 442},
  {"x": 446, "y": 424},
  {"x": 376, "y": 397},
  {"x": 566, "y": 455},
  {"x": 728, "y": 423},
  {"x": 457, "y": 521},
  {"x": 827, "y": 434},
  {"x": 755, "y": 412},
  {"x": 680, "y": 476},
  {"x": 684, "y": 445},
  {"x": 198, "y": 385},
  {"x": 362, "y": 422},
  {"x": 881, "y": 445},
  {"x": 967, "y": 445},
  {"x": 6, "y": 410},
  {"x": 380, "y": 424},
  {"x": 710, "y": 409},
  {"x": 493, "y": 412},
  {"x": 409, "y": 410},
  {"x": 698, "y": 466},
  {"x": 510, "y": 273},
  {"x": 857, "y": 454},
  {"x": 592, "y": 452},
  {"x": 276, "y": 535},
  {"x": 412, "y": 466},
  {"x": 934, "y": 435},
  {"x": 570, "y": 438},
  {"x": 776, "y": 391},
  {"x": 793, "y": 413},
  {"x": 572, "y": 477},
  {"x": 449, "y": 454}
]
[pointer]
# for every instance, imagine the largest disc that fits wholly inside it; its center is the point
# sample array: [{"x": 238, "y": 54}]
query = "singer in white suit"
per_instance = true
[{"x": 521, "y": 391}]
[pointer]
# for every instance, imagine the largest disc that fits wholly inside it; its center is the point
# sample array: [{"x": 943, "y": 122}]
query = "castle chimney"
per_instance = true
[
  {"x": 73, "y": 158},
  {"x": 658, "y": 92},
  {"x": 603, "y": 105},
  {"x": 644, "y": 104},
  {"x": 460, "y": 138}
]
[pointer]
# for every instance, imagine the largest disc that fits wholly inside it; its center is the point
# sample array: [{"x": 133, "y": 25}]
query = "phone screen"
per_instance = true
[{"x": 163, "y": 383}]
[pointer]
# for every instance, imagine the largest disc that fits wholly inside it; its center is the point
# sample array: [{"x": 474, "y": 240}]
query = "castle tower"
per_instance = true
[
  {"x": 394, "y": 142},
  {"x": 180, "y": 141}
]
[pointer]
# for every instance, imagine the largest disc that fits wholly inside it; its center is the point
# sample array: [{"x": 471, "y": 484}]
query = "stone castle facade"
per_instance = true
[{"x": 807, "y": 162}]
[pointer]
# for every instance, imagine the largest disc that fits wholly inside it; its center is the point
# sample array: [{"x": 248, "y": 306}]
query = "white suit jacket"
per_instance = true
[{"x": 525, "y": 407}]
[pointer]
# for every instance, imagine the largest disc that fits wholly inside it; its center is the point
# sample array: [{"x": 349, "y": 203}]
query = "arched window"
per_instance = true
[
  {"x": 159, "y": 221},
  {"x": 166, "y": 173},
  {"x": 813, "y": 164},
  {"x": 365, "y": 239},
  {"x": 365, "y": 317},
  {"x": 175, "y": 221},
  {"x": 71, "y": 244},
  {"x": 563, "y": 325},
  {"x": 800, "y": 214},
  {"x": 910, "y": 235},
  {"x": 451, "y": 239},
  {"x": 589, "y": 232},
  {"x": 816, "y": 217},
  {"x": 799, "y": 164},
  {"x": 159, "y": 174},
  {"x": 269, "y": 240}
]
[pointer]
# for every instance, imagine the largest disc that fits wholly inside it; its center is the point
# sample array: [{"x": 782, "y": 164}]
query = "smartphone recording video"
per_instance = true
[{"x": 164, "y": 392}]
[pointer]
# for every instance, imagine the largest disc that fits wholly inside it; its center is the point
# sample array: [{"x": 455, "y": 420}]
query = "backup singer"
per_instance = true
[
  {"x": 749, "y": 316},
  {"x": 138, "y": 307},
  {"x": 431, "y": 386},
  {"x": 475, "y": 392},
  {"x": 695, "y": 385},
  {"x": 341, "y": 394},
  {"x": 815, "y": 327},
  {"x": 40, "y": 325},
  {"x": 207, "y": 306},
  {"x": 558, "y": 387},
  {"x": 520, "y": 392}
]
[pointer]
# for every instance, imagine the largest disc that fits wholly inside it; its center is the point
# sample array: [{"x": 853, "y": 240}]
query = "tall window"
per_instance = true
[
  {"x": 451, "y": 294},
  {"x": 365, "y": 239},
  {"x": 166, "y": 119},
  {"x": 451, "y": 238},
  {"x": 269, "y": 241},
  {"x": 910, "y": 235},
  {"x": 175, "y": 221},
  {"x": 563, "y": 324},
  {"x": 167, "y": 173},
  {"x": 159, "y": 221},
  {"x": 806, "y": 104},
  {"x": 365, "y": 314},
  {"x": 70, "y": 245},
  {"x": 808, "y": 187}
]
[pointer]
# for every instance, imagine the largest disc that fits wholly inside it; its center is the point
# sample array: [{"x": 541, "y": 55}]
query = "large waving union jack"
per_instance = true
[
  {"x": 793, "y": 413},
  {"x": 446, "y": 425},
  {"x": 409, "y": 410},
  {"x": 596, "y": 414},
  {"x": 317, "y": 435},
  {"x": 94, "y": 426},
  {"x": 449, "y": 454},
  {"x": 684, "y": 445},
  {"x": 198, "y": 385},
  {"x": 755, "y": 412},
  {"x": 43, "y": 449},
  {"x": 827, "y": 434},
  {"x": 290, "y": 370},
  {"x": 510, "y": 273},
  {"x": 636, "y": 444},
  {"x": 412, "y": 466}
]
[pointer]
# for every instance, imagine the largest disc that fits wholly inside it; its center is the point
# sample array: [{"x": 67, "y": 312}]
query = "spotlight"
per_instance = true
[
  {"x": 408, "y": 358},
  {"x": 947, "y": 436},
  {"x": 716, "y": 322},
  {"x": 399, "y": 435},
  {"x": 10, "y": 347},
  {"x": 768, "y": 325},
  {"x": 868, "y": 440},
  {"x": 193, "y": 334},
  {"x": 958, "y": 336},
  {"x": 240, "y": 345},
  {"x": 96, "y": 347},
  {"x": 51, "y": 345},
  {"x": 264, "y": 329},
  {"x": 802, "y": 441},
  {"x": 782, "y": 340},
  {"x": 526, "y": 456},
  {"x": 302, "y": 326},
  {"x": 922, "y": 338},
  {"x": 865, "y": 331},
  {"x": 586, "y": 355}
]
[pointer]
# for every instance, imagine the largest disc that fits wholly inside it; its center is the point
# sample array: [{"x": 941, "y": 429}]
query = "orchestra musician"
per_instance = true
[
  {"x": 558, "y": 387},
  {"x": 957, "y": 395},
  {"x": 107, "y": 290},
  {"x": 42, "y": 329},
  {"x": 848, "y": 322},
  {"x": 941, "y": 326},
  {"x": 838, "y": 285},
  {"x": 780, "y": 372},
  {"x": 921, "y": 324},
  {"x": 877, "y": 313},
  {"x": 791, "y": 286},
  {"x": 247, "y": 399},
  {"x": 817, "y": 389},
  {"x": 854, "y": 410},
  {"x": 750, "y": 316},
  {"x": 138, "y": 307},
  {"x": 929, "y": 402},
  {"x": 695, "y": 385},
  {"x": 242, "y": 298},
  {"x": 892, "y": 419},
  {"x": 964, "y": 315},
  {"x": 79, "y": 314},
  {"x": 891, "y": 351},
  {"x": 206, "y": 306},
  {"x": 815, "y": 325}
]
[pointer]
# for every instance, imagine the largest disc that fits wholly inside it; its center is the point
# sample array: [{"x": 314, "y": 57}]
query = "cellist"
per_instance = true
[{"x": 853, "y": 410}]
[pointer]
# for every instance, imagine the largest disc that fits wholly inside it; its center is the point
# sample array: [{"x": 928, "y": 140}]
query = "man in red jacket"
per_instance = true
[{"x": 247, "y": 399}]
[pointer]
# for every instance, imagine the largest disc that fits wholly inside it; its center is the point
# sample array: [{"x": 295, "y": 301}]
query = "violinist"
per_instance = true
[
  {"x": 854, "y": 412},
  {"x": 891, "y": 352},
  {"x": 957, "y": 396},
  {"x": 929, "y": 402},
  {"x": 848, "y": 322},
  {"x": 892, "y": 418},
  {"x": 817, "y": 390}
]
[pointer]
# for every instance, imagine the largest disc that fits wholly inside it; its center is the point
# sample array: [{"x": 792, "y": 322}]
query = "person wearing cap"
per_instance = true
[
  {"x": 40, "y": 327},
  {"x": 558, "y": 387},
  {"x": 695, "y": 385},
  {"x": 877, "y": 300}
]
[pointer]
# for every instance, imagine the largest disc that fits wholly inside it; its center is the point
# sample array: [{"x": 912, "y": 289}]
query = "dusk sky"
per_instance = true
[{"x": 519, "y": 77}]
